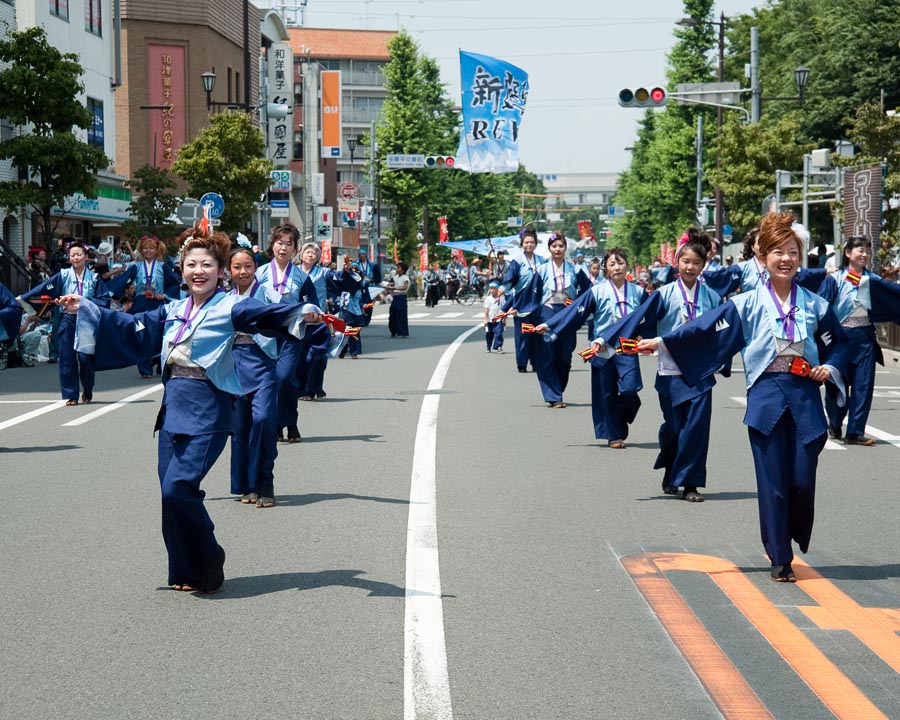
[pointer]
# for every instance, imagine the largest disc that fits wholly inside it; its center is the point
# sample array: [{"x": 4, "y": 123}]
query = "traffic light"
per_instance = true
[
  {"x": 349, "y": 219},
  {"x": 439, "y": 162},
  {"x": 642, "y": 97}
]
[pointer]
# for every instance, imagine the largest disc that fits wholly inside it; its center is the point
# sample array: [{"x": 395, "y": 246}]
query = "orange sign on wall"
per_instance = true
[
  {"x": 331, "y": 113},
  {"x": 165, "y": 92}
]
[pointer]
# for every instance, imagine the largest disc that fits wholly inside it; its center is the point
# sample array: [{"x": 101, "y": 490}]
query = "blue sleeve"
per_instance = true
[
  {"x": 278, "y": 320},
  {"x": 700, "y": 348},
  {"x": 171, "y": 284},
  {"x": 574, "y": 315},
  {"x": 339, "y": 281},
  {"x": 118, "y": 285},
  {"x": 317, "y": 339},
  {"x": 828, "y": 290},
  {"x": 116, "y": 339},
  {"x": 832, "y": 342},
  {"x": 511, "y": 276},
  {"x": 885, "y": 300},
  {"x": 724, "y": 280},
  {"x": 102, "y": 295},
  {"x": 641, "y": 321},
  {"x": 811, "y": 278},
  {"x": 52, "y": 287},
  {"x": 10, "y": 312}
]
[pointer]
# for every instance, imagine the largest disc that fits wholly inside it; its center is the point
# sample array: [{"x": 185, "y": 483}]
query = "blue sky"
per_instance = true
[{"x": 578, "y": 53}]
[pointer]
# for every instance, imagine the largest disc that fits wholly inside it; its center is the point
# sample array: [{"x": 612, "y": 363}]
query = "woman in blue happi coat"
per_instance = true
[
  {"x": 281, "y": 275},
  {"x": 614, "y": 385},
  {"x": 524, "y": 297},
  {"x": 559, "y": 285},
  {"x": 154, "y": 284},
  {"x": 750, "y": 273},
  {"x": 74, "y": 280},
  {"x": 254, "y": 444},
  {"x": 196, "y": 338},
  {"x": 859, "y": 299},
  {"x": 790, "y": 342},
  {"x": 687, "y": 411},
  {"x": 319, "y": 343}
]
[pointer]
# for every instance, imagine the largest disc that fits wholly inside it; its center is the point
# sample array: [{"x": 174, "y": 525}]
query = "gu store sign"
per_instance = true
[{"x": 280, "y": 80}]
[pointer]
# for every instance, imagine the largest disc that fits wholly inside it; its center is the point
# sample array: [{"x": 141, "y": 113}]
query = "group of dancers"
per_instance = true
[
  {"x": 795, "y": 328},
  {"x": 234, "y": 363}
]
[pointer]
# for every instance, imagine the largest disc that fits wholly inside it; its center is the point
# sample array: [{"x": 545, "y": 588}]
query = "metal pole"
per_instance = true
[
  {"x": 807, "y": 160},
  {"x": 755, "y": 90},
  {"x": 247, "y": 99},
  {"x": 720, "y": 209},
  {"x": 699, "y": 149},
  {"x": 374, "y": 239}
]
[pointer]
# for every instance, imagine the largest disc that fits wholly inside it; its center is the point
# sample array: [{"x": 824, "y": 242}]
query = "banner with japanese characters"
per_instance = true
[
  {"x": 863, "y": 197},
  {"x": 493, "y": 101},
  {"x": 280, "y": 75},
  {"x": 586, "y": 232},
  {"x": 423, "y": 257},
  {"x": 443, "y": 229}
]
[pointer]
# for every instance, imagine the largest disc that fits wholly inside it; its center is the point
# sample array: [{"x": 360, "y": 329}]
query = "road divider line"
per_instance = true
[
  {"x": 33, "y": 414},
  {"x": 426, "y": 679},
  {"x": 99, "y": 412},
  {"x": 450, "y": 315},
  {"x": 417, "y": 316}
]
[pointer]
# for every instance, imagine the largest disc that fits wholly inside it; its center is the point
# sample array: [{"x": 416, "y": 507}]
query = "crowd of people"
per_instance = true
[{"x": 240, "y": 337}]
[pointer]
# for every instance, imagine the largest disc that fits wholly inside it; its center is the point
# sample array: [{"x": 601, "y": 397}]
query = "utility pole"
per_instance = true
[{"x": 755, "y": 90}]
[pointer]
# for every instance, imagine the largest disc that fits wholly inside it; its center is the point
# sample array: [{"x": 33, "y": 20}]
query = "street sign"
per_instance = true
[
  {"x": 405, "y": 161},
  {"x": 726, "y": 229},
  {"x": 215, "y": 202},
  {"x": 348, "y": 190},
  {"x": 280, "y": 208},
  {"x": 702, "y": 215},
  {"x": 280, "y": 181},
  {"x": 513, "y": 221},
  {"x": 616, "y": 211},
  {"x": 348, "y": 205},
  {"x": 724, "y": 93},
  {"x": 189, "y": 212}
]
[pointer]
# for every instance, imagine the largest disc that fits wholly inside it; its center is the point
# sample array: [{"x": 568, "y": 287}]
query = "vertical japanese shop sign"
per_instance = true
[
  {"x": 165, "y": 89},
  {"x": 331, "y": 113},
  {"x": 280, "y": 76}
]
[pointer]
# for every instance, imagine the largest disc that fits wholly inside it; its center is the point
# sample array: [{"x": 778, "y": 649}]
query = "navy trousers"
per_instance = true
[
  {"x": 289, "y": 351},
  {"x": 684, "y": 434},
  {"x": 859, "y": 380},
  {"x": 554, "y": 359},
  {"x": 354, "y": 344},
  {"x": 525, "y": 344},
  {"x": 614, "y": 397},
  {"x": 73, "y": 366},
  {"x": 254, "y": 444},
  {"x": 493, "y": 335},
  {"x": 398, "y": 322},
  {"x": 311, "y": 374},
  {"x": 786, "y": 487},
  {"x": 195, "y": 558}
]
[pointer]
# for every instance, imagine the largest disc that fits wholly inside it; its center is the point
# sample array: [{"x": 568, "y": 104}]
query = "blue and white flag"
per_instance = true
[{"x": 493, "y": 101}]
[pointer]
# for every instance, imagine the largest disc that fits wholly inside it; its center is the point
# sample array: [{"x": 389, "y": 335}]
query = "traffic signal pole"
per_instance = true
[{"x": 720, "y": 200}]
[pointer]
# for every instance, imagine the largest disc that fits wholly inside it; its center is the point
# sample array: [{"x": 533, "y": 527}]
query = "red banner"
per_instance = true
[
  {"x": 326, "y": 252},
  {"x": 586, "y": 232},
  {"x": 459, "y": 256},
  {"x": 443, "y": 228},
  {"x": 166, "y": 92},
  {"x": 396, "y": 257},
  {"x": 423, "y": 257}
]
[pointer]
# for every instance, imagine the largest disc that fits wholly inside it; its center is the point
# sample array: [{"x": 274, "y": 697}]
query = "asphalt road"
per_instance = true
[{"x": 570, "y": 587}]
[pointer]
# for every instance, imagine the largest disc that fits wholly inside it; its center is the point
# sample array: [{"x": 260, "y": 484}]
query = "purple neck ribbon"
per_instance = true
[
  {"x": 190, "y": 314},
  {"x": 148, "y": 274},
  {"x": 622, "y": 303},
  {"x": 279, "y": 286},
  {"x": 788, "y": 319},
  {"x": 691, "y": 307}
]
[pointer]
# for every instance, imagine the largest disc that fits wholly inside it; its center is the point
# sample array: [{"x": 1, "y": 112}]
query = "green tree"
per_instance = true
[
  {"x": 228, "y": 157},
  {"x": 750, "y": 156},
  {"x": 41, "y": 89},
  {"x": 152, "y": 203}
]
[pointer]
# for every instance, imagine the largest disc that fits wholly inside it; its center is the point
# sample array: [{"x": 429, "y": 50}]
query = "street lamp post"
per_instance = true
[
  {"x": 352, "y": 141},
  {"x": 209, "y": 84},
  {"x": 720, "y": 75}
]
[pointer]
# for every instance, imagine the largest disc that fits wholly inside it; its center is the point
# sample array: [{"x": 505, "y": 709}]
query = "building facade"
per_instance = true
[{"x": 360, "y": 56}]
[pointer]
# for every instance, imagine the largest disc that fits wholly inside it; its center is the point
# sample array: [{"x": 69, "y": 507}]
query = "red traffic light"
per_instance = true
[
  {"x": 657, "y": 96},
  {"x": 351, "y": 216}
]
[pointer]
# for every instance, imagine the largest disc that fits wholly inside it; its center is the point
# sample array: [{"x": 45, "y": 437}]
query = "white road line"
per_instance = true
[
  {"x": 450, "y": 315},
  {"x": 99, "y": 412},
  {"x": 426, "y": 680},
  {"x": 33, "y": 414},
  {"x": 479, "y": 315},
  {"x": 380, "y": 316},
  {"x": 883, "y": 436},
  {"x": 416, "y": 316},
  {"x": 24, "y": 402}
]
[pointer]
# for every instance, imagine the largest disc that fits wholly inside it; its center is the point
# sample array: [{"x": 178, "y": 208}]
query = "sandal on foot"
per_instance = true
[
  {"x": 783, "y": 573},
  {"x": 559, "y": 404},
  {"x": 691, "y": 495},
  {"x": 265, "y": 502},
  {"x": 617, "y": 444},
  {"x": 248, "y": 498},
  {"x": 293, "y": 434},
  {"x": 281, "y": 437},
  {"x": 86, "y": 398},
  {"x": 71, "y": 403},
  {"x": 669, "y": 490}
]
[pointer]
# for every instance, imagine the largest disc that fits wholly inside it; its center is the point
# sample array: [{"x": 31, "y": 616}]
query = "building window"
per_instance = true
[
  {"x": 7, "y": 130},
  {"x": 95, "y": 131},
  {"x": 237, "y": 87},
  {"x": 60, "y": 8},
  {"x": 92, "y": 17},
  {"x": 298, "y": 145}
]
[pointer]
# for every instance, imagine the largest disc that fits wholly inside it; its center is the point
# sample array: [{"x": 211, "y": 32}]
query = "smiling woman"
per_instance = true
[{"x": 195, "y": 337}]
